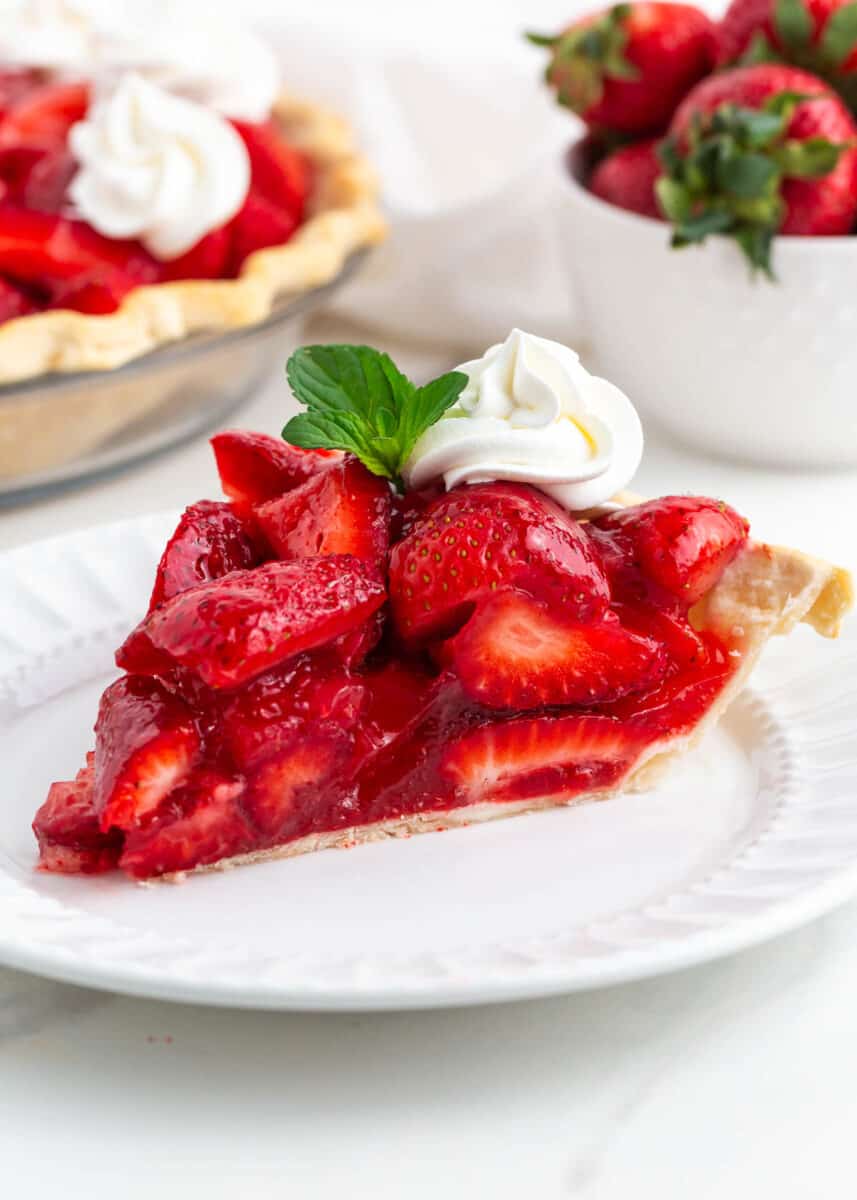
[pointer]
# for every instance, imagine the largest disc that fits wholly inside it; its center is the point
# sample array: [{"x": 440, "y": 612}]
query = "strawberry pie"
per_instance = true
[
  {"x": 425, "y": 607},
  {"x": 157, "y": 183}
]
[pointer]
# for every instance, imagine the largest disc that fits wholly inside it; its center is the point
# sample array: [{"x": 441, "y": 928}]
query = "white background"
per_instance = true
[{"x": 723, "y": 1083}]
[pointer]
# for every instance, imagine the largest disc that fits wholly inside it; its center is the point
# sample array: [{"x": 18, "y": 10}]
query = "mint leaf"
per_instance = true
[{"x": 357, "y": 400}]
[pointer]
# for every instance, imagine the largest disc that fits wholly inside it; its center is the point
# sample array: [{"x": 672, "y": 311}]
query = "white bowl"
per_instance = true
[{"x": 743, "y": 367}]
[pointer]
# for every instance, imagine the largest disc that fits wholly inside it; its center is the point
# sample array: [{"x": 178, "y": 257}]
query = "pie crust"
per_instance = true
[
  {"x": 343, "y": 217},
  {"x": 766, "y": 591}
]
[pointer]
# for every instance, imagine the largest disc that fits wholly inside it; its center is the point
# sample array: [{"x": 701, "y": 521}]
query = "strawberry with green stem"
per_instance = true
[
  {"x": 624, "y": 69},
  {"x": 758, "y": 151},
  {"x": 817, "y": 35}
]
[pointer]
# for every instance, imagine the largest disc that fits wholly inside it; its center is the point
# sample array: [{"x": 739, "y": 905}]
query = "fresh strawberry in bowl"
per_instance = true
[
  {"x": 708, "y": 260},
  {"x": 624, "y": 69},
  {"x": 627, "y": 176},
  {"x": 818, "y": 35},
  {"x": 784, "y": 149}
]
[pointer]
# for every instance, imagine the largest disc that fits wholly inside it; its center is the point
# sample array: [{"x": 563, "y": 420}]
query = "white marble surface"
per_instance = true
[{"x": 729, "y": 1081}]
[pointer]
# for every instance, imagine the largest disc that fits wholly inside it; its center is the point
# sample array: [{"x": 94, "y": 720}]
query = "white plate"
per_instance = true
[{"x": 753, "y": 835}]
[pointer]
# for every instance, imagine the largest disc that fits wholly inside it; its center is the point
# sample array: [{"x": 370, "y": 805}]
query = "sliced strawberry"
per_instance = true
[
  {"x": 44, "y": 114},
  {"x": 138, "y": 656},
  {"x": 344, "y": 510},
  {"x": 46, "y": 186},
  {"x": 685, "y": 647},
  {"x": 353, "y": 647},
  {"x": 97, "y": 293},
  {"x": 398, "y": 694},
  {"x": 398, "y": 758},
  {"x": 208, "y": 259},
  {"x": 41, "y": 247},
  {"x": 203, "y": 824},
  {"x": 680, "y": 701},
  {"x": 270, "y": 713},
  {"x": 232, "y": 629},
  {"x": 257, "y": 226},
  {"x": 14, "y": 302},
  {"x": 530, "y": 757},
  {"x": 145, "y": 745},
  {"x": 254, "y": 467},
  {"x": 68, "y": 832},
  {"x": 478, "y": 539},
  {"x": 681, "y": 543},
  {"x": 37, "y": 177},
  {"x": 408, "y": 508},
  {"x": 516, "y": 654},
  {"x": 209, "y": 542},
  {"x": 17, "y": 164},
  {"x": 279, "y": 172},
  {"x": 15, "y": 84},
  {"x": 285, "y": 782}
]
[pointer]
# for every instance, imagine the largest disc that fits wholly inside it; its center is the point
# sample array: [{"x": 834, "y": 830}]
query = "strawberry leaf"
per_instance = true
[
  {"x": 748, "y": 176},
  {"x": 793, "y": 24},
  {"x": 695, "y": 229},
  {"x": 357, "y": 400},
  {"x": 547, "y": 40},
  {"x": 840, "y": 35},
  {"x": 809, "y": 159},
  {"x": 758, "y": 51}
]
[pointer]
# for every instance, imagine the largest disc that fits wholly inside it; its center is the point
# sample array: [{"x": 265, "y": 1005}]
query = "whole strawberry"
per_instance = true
[
  {"x": 627, "y": 178},
  {"x": 624, "y": 69},
  {"x": 818, "y": 35},
  {"x": 758, "y": 151}
]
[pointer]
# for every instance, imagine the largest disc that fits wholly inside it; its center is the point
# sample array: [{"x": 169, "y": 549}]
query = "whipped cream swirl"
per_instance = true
[
  {"x": 532, "y": 413},
  {"x": 157, "y": 167}
]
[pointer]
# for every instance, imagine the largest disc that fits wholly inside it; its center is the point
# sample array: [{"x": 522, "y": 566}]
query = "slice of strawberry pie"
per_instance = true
[{"x": 420, "y": 610}]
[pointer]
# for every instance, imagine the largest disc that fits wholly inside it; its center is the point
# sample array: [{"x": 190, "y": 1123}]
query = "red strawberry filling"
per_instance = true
[
  {"x": 273, "y": 695},
  {"x": 48, "y": 259},
  {"x": 328, "y": 515}
]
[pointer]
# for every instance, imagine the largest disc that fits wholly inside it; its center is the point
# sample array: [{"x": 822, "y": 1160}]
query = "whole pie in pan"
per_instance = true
[
  {"x": 421, "y": 610},
  {"x": 73, "y": 298},
  {"x": 156, "y": 180}
]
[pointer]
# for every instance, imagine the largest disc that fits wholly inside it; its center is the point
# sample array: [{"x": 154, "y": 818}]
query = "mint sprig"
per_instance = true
[{"x": 357, "y": 400}]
